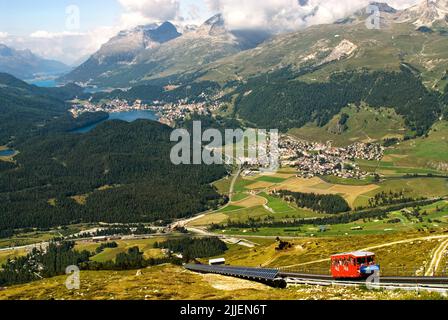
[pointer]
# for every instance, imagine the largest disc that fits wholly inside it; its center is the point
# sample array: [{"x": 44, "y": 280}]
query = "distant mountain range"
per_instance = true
[
  {"x": 26, "y": 65},
  {"x": 416, "y": 38},
  {"x": 152, "y": 51},
  {"x": 213, "y": 52}
]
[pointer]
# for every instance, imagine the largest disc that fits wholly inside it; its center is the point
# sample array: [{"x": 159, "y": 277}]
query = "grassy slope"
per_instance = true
[
  {"x": 364, "y": 125},
  {"x": 415, "y": 187},
  {"x": 183, "y": 285},
  {"x": 313, "y": 253},
  {"x": 430, "y": 151}
]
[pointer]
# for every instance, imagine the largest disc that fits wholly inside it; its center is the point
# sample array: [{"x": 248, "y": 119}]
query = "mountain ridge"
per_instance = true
[
  {"x": 211, "y": 48},
  {"x": 24, "y": 64},
  {"x": 122, "y": 49},
  {"x": 196, "y": 47}
]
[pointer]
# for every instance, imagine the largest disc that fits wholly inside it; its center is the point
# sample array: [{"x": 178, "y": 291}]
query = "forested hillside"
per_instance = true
[
  {"x": 119, "y": 172},
  {"x": 284, "y": 103},
  {"x": 24, "y": 108}
]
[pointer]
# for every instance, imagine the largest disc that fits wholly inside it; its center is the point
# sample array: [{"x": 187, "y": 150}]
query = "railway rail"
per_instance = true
[{"x": 431, "y": 284}]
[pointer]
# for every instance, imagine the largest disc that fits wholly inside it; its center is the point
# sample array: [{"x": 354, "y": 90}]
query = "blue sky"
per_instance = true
[{"x": 23, "y": 17}]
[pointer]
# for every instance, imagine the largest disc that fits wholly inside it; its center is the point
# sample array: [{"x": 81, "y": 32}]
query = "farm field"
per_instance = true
[
  {"x": 252, "y": 199},
  {"x": 223, "y": 185},
  {"x": 391, "y": 169},
  {"x": 318, "y": 186},
  {"x": 256, "y": 212}
]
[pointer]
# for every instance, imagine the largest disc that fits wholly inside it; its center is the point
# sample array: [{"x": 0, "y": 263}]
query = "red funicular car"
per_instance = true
[{"x": 353, "y": 265}]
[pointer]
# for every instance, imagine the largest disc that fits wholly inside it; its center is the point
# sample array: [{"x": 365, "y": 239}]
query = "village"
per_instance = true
[
  {"x": 310, "y": 158},
  {"x": 167, "y": 113},
  {"x": 318, "y": 159},
  {"x": 116, "y": 105},
  {"x": 170, "y": 113}
]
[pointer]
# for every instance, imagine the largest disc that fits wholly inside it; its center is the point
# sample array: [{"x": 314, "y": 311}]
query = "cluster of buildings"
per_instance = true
[
  {"x": 316, "y": 159},
  {"x": 116, "y": 105},
  {"x": 170, "y": 113}
]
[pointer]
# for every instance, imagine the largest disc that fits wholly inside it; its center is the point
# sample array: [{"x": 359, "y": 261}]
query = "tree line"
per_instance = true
[
  {"x": 375, "y": 213},
  {"x": 39, "y": 263},
  {"x": 192, "y": 248},
  {"x": 323, "y": 203}
]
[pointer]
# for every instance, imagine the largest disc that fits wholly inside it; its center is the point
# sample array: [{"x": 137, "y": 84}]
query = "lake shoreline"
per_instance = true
[{"x": 128, "y": 116}]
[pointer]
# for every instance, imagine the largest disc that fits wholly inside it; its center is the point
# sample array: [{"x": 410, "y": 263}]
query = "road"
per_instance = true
[
  {"x": 232, "y": 184},
  {"x": 29, "y": 247},
  {"x": 184, "y": 222}
]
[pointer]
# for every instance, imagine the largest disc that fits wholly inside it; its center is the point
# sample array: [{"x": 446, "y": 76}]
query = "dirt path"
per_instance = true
[
  {"x": 232, "y": 184},
  {"x": 436, "y": 259}
]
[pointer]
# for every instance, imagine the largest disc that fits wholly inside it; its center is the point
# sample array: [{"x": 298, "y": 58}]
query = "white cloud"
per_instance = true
[
  {"x": 213, "y": 5},
  {"x": 286, "y": 15},
  {"x": 3, "y": 35},
  {"x": 51, "y": 35},
  {"x": 153, "y": 10},
  {"x": 67, "y": 47}
]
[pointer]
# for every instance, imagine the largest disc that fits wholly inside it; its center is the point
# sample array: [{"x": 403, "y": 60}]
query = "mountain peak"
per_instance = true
[
  {"x": 5, "y": 51},
  {"x": 383, "y": 7},
  {"x": 165, "y": 32},
  {"x": 24, "y": 64},
  {"x": 426, "y": 13},
  {"x": 216, "y": 20},
  {"x": 360, "y": 16},
  {"x": 128, "y": 43},
  {"x": 214, "y": 26}
]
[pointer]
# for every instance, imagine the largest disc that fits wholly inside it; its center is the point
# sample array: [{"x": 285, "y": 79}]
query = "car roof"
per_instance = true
[{"x": 357, "y": 254}]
